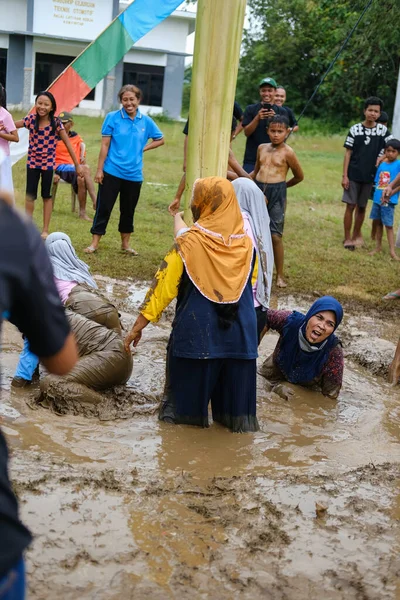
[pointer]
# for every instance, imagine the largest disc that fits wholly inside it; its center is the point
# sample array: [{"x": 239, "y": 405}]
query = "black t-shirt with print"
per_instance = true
[
  {"x": 366, "y": 144},
  {"x": 237, "y": 115},
  {"x": 290, "y": 116},
  {"x": 29, "y": 299},
  {"x": 259, "y": 135}
]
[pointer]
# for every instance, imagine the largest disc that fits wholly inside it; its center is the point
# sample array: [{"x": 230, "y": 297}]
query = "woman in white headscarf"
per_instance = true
[
  {"x": 77, "y": 290},
  {"x": 256, "y": 224}
]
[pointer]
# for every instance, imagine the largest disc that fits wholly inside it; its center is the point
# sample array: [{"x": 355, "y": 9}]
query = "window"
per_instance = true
[
  {"x": 3, "y": 66},
  {"x": 149, "y": 78},
  {"x": 48, "y": 67}
]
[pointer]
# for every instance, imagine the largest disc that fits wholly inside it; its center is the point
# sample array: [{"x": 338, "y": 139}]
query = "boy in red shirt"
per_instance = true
[{"x": 65, "y": 168}]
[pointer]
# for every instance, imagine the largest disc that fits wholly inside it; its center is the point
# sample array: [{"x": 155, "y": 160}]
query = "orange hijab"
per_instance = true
[{"x": 216, "y": 251}]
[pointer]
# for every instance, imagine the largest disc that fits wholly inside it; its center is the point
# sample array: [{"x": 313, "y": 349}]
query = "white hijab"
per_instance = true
[
  {"x": 66, "y": 265},
  {"x": 252, "y": 202}
]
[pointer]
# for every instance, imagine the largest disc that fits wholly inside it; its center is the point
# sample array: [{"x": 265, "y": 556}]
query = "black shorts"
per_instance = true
[
  {"x": 32, "y": 182},
  {"x": 69, "y": 177},
  {"x": 276, "y": 196}
]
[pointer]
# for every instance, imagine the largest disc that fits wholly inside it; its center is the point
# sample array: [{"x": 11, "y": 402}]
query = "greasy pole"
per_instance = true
[{"x": 219, "y": 28}]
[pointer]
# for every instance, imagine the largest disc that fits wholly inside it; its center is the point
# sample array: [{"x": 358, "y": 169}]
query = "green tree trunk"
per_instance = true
[{"x": 219, "y": 28}]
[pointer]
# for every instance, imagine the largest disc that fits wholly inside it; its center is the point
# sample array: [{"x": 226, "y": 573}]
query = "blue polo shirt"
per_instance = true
[{"x": 128, "y": 138}]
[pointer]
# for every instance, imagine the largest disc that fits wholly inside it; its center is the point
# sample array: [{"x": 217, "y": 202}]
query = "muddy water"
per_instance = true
[{"x": 307, "y": 508}]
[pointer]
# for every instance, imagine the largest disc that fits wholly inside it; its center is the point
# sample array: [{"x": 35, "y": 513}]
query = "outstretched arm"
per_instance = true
[
  {"x": 63, "y": 135},
  {"x": 11, "y": 136},
  {"x": 391, "y": 188},
  {"x": 235, "y": 166},
  {"x": 175, "y": 204}
]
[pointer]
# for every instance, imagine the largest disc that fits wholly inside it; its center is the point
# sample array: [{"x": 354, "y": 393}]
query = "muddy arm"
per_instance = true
[
  {"x": 332, "y": 374},
  {"x": 394, "y": 369}
]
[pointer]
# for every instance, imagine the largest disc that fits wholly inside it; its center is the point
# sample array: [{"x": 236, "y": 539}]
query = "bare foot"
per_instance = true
[
  {"x": 44, "y": 235},
  {"x": 280, "y": 282},
  {"x": 84, "y": 217},
  {"x": 358, "y": 242},
  {"x": 395, "y": 257},
  {"x": 375, "y": 251}
]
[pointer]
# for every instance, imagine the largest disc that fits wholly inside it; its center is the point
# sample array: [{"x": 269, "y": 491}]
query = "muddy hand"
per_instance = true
[
  {"x": 174, "y": 207},
  {"x": 133, "y": 336},
  {"x": 394, "y": 369},
  {"x": 283, "y": 391},
  {"x": 394, "y": 372}
]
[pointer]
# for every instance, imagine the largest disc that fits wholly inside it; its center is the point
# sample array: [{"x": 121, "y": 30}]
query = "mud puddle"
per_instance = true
[{"x": 307, "y": 508}]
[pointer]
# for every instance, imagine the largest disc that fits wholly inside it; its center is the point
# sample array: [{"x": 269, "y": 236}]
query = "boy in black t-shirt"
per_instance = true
[{"x": 364, "y": 143}]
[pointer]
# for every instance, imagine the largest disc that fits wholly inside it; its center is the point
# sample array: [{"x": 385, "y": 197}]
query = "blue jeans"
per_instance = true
[
  {"x": 12, "y": 585},
  {"x": 27, "y": 363}
]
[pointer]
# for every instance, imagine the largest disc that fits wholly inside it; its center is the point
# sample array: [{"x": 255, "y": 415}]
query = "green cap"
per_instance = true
[
  {"x": 268, "y": 81},
  {"x": 65, "y": 117}
]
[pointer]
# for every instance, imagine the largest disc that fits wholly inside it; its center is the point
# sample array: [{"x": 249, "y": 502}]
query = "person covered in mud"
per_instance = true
[
  {"x": 29, "y": 299},
  {"x": 69, "y": 272},
  {"x": 212, "y": 349},
  {"x": 256, "y": 225},
  {"x": 95, "y": 323},
  {"x": 307, "y": 353}
]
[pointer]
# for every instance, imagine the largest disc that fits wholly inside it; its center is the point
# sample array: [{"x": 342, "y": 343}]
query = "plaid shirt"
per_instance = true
[{"x": 42, "y": 144}]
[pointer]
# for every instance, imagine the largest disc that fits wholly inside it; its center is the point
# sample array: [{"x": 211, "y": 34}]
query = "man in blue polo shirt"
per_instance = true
[{"x": 120, "y": 167}]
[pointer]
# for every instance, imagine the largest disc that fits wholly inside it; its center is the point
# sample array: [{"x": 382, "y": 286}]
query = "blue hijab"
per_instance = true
[{"x": 299, "y": 360}]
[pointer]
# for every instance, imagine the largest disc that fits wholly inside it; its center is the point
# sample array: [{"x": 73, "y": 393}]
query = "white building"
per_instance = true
[{"x": 39, "y": 38}]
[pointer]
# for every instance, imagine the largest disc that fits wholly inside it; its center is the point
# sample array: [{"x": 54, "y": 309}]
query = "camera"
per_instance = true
[{"x": 266, "y": 105}]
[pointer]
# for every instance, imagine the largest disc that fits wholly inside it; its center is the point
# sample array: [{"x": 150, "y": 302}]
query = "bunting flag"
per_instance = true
[{"x": 93, "y": 64}]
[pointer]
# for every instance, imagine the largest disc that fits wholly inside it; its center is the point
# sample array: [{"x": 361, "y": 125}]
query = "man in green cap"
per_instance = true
[{"x": 255, "y": 121}]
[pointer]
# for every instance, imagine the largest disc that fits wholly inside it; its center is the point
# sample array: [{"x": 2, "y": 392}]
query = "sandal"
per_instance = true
[
  {"x": 392, "y": 296},
  {"x": 130, "y": 251},
  {"x": 90, "y": 250}
]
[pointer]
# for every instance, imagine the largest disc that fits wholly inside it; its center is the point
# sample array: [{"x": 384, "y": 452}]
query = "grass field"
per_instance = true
[{"x": 315, "y": 259}]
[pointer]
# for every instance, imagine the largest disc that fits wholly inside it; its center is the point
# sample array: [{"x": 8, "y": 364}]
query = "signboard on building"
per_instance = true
[{"x": 80, "y": 19}]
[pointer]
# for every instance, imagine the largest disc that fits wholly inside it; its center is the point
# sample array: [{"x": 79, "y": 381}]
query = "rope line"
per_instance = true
[{"x": 338, "y": 53}]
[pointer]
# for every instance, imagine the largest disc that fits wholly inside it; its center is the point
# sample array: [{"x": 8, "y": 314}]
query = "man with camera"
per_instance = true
[{"x": 255, "y": 121}]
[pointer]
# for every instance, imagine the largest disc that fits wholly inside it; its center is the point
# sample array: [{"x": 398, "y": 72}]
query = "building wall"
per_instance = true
[
  {"x": 4, "y": 40},
  {"x": 13, "y": 15},
  {"x": 146, "y": 58},
  {"x": 15, "y": 69},
  {"x": 169, "y": 35},
  {"x": 166, "y": 39}
]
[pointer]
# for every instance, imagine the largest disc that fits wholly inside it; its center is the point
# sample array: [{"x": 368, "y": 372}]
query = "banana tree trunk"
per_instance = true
[{"x": 219, "y": 28}]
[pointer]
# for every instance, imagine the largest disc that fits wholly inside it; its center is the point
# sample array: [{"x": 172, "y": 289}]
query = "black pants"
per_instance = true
[
  {"x": 129, "y": 192},
  {"x": 229, "y": 383},
  {"x": 32, "y": 182}
]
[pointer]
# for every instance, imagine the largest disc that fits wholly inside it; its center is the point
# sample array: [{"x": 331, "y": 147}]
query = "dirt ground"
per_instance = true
[{"x": 122, "y": 506}]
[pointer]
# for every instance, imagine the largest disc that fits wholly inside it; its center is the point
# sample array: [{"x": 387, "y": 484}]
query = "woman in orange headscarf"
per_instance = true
[{"x": 212, "y": 350}]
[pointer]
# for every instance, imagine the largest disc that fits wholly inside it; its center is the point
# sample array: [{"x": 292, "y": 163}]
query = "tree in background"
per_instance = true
[{"x": 294, "y": 41}]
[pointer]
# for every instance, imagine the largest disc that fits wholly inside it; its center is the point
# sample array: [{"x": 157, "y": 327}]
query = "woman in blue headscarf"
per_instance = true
[{"x": 308, "y": 352}]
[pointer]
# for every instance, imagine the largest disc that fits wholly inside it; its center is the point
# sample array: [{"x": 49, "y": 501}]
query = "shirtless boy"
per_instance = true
[{"x": 273, "y": 162}]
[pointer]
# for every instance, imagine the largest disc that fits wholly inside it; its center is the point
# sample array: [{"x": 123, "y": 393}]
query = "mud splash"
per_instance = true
[{"x": 133, "y": 508}]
